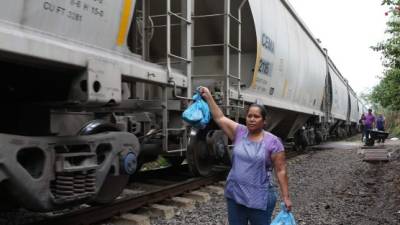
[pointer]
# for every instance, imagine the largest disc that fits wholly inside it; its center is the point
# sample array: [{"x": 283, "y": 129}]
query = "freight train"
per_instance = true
[{"x": 92, "y": 89}]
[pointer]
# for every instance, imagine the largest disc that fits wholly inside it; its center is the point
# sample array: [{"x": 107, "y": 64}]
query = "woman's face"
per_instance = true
[{"x": 254, "y": 119}]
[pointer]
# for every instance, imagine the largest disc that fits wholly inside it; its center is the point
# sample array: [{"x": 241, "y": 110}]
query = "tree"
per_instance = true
[{"x": 387, "y": 92}]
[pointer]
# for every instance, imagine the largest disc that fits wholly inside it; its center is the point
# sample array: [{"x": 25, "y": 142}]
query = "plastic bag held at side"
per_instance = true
[
  {"x": 198, "y": 113},
  {"x": 284, "y": 217}
]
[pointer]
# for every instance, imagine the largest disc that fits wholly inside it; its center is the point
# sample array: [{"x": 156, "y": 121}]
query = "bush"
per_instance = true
[{"x": 393, "y": 123}]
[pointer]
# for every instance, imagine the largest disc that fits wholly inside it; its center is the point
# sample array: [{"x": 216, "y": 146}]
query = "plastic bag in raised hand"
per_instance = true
[
  {"x": 198, "y": 113},
  {"x": 284, "y": 217}
]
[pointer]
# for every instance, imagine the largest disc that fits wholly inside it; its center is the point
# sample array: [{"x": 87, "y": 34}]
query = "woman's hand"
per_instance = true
[
  {"x": 288, "y": 203},
  {"x": 226, "y": 124},
  {"x": 205, "y": 93}
]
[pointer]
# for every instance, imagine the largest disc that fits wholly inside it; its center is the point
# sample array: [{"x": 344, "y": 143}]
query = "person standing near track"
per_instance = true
[
  {"x": 368, "y": 124},
  {"x": 380, "y": 125},
  {"x": 361, "y": 123},
  {"x": 250, "y": 193}
]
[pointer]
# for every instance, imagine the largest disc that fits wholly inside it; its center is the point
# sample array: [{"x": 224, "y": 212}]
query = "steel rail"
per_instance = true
[{"x": 99, "y": 213}]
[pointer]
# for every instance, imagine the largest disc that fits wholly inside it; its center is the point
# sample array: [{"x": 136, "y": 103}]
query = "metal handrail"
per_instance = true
[
  {"x": 208, "y": 15},
  {"x": 234, "y": 47},
  {"x": 235, "y": 19},
  {"x": 209, "y": 45},
  {"x": 174, "y": 93},
  {"x": 179, "y": 17},
  {"x": 160, "y": 26},
  {"x": 179, "y": 57}
]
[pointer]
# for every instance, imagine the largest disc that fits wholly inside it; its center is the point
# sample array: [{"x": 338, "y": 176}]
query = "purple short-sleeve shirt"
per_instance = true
[
  {"x": 273, "y": 143},
  {"x": 369, "y": 119},
  {"x": 250, "y": 175}
]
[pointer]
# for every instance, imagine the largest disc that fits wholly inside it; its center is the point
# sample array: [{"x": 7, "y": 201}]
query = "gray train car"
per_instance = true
[
  {"x": 355, "y": 110},
  {"x": 96, "y": 88}
]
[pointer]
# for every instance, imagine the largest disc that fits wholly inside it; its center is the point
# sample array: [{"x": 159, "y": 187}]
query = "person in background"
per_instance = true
[
  {"x": 361, "y": 124},
  {"x": 369, "y": 124},
  {"x": 250, "y": 192},
  {"x": 380, "y": 125}
]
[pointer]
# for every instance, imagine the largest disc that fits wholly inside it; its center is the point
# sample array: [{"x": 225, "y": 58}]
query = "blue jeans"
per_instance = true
[
  {"x": 367, "y": 131},
  {"x": 241, "y": 215}
]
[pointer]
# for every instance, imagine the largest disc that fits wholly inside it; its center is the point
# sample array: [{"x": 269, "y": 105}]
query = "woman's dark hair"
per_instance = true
[{"x": 262, "y": 110}]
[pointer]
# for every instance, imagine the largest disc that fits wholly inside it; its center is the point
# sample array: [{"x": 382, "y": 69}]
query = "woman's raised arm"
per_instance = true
[{"x": 227, "y": 125}]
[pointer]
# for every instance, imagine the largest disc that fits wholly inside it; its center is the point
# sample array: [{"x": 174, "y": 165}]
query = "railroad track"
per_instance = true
[
  {"x": 147, "y": 187},
  {"x": 166, "y": 188}
]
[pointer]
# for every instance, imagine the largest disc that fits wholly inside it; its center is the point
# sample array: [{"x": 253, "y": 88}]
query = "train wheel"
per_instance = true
[
  {"x": 199, "y": 158},
  {"x": 115, "y": 182},
  {"x": 300, "y": 141},
  {"x": 217, "y": 142},
  {"x": 318, "y": 137}
]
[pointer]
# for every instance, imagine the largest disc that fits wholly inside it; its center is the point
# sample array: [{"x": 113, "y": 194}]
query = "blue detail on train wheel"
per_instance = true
[{"x": 129, "y": 163}]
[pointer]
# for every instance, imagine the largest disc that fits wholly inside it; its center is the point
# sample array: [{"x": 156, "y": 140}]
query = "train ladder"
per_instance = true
[
  {"x": 186, "y": 39},
  {"x": 228, "y": 77}
]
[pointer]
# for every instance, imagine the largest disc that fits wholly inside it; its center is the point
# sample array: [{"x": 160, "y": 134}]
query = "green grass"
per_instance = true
[
  {"x": 394, "y": 131},
  {"x": 161, "y": 162}
]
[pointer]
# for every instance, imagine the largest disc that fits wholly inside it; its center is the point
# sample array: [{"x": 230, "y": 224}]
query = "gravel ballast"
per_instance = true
[{"x": 329, "y": 186}]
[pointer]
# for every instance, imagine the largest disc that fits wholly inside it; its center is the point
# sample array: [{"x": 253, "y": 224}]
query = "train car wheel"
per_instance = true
[
  {"x": 96, "y": 127},
  {"x": 217, "y": 142},
  {"x": 300, "y": 141},
  {"x": 199, "y": 158},
  {"x": 318, "y": 137},
  {"x": 113, "y": 184},
  {"x": 111, "y": 188}
]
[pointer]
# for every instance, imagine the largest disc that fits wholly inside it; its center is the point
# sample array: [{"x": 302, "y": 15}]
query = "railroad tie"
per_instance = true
[
  {"x": 163, "y": 211},
  {"x": 198, "y": 196},
  {"x": 222, "y": 183},
  {"x": 131, "y": 219},
  {"x": 181, "y": 202},
  {"x": 215, "y": 189}
]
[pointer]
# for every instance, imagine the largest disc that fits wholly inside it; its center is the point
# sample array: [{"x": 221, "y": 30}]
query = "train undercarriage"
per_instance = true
[{"x": 57, "y": 154}]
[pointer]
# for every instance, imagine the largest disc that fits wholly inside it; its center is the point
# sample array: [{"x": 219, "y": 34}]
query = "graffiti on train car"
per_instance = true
[
  {"x": 265, "y": 67},
  {"x": 268, "y": 43},
  {"x": 261, "y": 83}
]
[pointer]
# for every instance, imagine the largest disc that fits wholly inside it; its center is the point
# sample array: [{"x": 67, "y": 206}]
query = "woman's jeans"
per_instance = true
[
  {"x": 367, "y": 131},
  {"x": 240, "y": 214}
]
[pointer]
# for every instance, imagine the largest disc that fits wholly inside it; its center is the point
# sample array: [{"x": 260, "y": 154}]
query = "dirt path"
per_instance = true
[{"x": 336, "y": 187}]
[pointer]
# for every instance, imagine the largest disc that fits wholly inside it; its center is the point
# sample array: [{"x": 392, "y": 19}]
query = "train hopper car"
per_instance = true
[{"x": 96, "y": 88}]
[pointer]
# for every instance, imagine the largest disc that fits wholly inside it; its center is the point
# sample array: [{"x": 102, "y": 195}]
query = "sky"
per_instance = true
[{"x": 347, "y": 28}]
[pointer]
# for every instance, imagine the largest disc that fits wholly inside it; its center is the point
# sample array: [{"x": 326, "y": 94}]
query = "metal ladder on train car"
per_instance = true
[
  {"x": 186, "y": 21},
  {"x": 228, "y": 47}
]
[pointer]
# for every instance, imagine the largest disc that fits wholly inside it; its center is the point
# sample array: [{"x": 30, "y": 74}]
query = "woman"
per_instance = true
[{"x": 249, "y": 191}]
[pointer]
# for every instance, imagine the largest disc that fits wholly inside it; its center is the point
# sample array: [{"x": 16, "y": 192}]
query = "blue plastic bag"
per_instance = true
[
  {"x": 284, "y": 217},
  {"x": 198, "y": 113}
]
